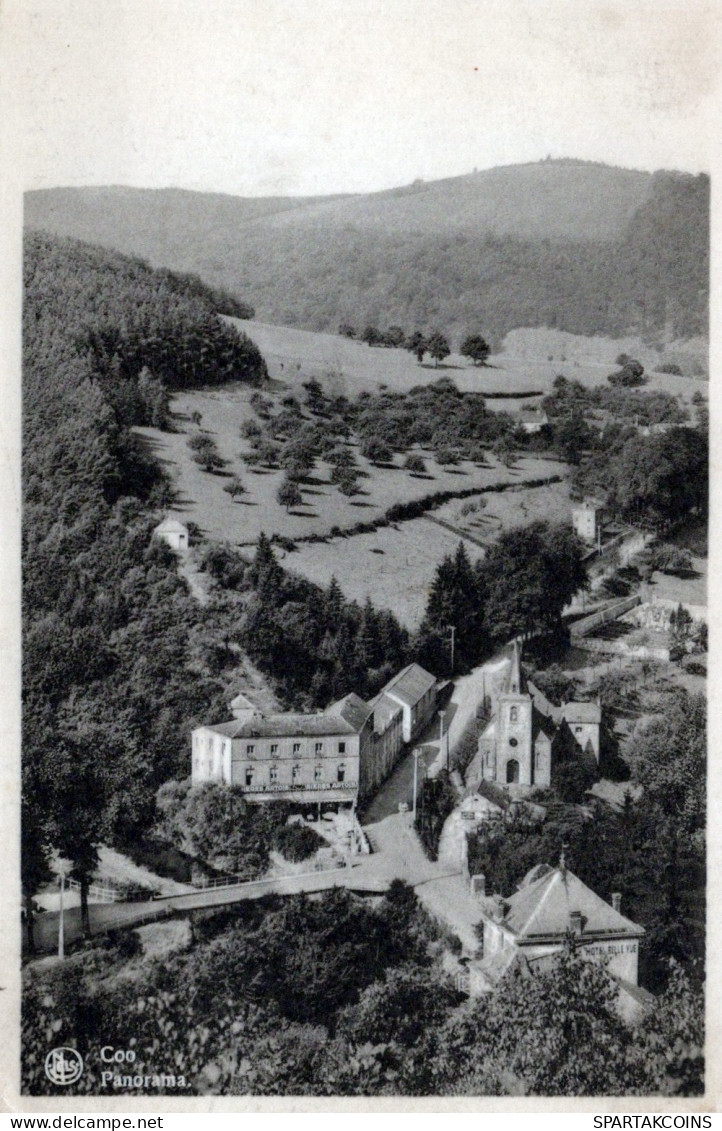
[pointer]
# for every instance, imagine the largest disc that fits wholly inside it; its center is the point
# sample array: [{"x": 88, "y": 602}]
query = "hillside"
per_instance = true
[{"x": 576, "y": 246}]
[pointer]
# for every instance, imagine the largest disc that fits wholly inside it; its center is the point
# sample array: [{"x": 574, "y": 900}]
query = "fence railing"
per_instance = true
[
  {"x": 106, "y": 893},
  {"x": 237, "y": 881}
]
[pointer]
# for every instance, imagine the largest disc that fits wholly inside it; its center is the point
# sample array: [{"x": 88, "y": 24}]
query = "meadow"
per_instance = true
[
  {"x": 393, "y": 564},
  {"x": 529, "y": 361}
]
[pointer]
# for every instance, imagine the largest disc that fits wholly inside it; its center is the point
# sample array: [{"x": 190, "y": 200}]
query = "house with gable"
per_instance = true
[
  {"x": 414, "y": 691},
  {"x": 551, "y": 909},
  {"x": 173, "y": 533}
]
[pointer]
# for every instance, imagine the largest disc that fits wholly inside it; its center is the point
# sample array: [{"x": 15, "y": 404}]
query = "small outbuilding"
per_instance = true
[{"x": 173, "y": 533}]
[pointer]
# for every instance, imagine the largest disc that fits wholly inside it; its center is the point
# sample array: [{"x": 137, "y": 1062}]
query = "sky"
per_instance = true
[{"x": 259, "y": 97}]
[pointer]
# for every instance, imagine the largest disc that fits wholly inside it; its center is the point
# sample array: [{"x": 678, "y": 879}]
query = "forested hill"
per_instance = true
[
  {"x": 93, "y": 314},
  {"x": 109, "y": 666},
  {"x": 573, "y": 245}
]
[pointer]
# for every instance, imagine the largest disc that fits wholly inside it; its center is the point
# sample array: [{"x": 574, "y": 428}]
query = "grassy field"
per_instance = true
[
  {"x": 393, "y": 565},
  {"x": 530, "y": 361},
  {"x": 202, "y": 500}
]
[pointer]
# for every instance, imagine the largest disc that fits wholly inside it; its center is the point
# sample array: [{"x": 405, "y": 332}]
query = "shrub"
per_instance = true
[
  {"x": 415, "y": 464},
  {"x": 251, "y": 430},
  {"x": 297, "y": 842},
  {"x": 126, "y": 942},
  {"x": 376, "y": 451}
]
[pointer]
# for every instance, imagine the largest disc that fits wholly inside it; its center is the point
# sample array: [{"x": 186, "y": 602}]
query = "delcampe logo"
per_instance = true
[{"x": 63, "y": 1066}]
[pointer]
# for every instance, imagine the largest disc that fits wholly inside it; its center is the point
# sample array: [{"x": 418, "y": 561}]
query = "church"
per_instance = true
[{"x": 526, "y": 733}]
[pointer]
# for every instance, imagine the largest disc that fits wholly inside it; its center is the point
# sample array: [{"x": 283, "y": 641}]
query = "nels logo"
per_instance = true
[{"x": 63, "y": 1066}]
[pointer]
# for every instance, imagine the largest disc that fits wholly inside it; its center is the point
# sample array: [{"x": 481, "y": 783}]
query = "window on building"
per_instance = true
[
  {"x": 342, "y": 747},
  {"x": 250, "y": 748},
  {"x": 513, "y": 714},
  {"x": 296, "y": 747},
  {"x": 274, "y": 748},
  {"x": 513, "y": 742},
  {"x": 319, "y": 747},
  {"x": 295, "y": 772},
  {"x": 249, "y": 775},
  {"x": 317, "y": 771},
  {"x": 340, "y": 772},
  {"x": 273, "y": 773},
  {"x": 578, "y": 730}
]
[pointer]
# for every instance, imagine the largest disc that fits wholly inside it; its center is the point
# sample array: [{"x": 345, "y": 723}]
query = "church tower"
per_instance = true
[{"x": 514, "y": 745}]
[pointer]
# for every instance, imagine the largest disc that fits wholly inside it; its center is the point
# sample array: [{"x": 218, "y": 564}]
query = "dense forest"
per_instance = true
[{"x": 568, "y": 245}]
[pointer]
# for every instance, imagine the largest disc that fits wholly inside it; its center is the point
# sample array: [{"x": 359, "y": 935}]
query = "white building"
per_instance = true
[
  {"x": 414, "y": 691},
  {"x": 173, "y": 533},
  {"x": 532, "y": 420},
  {"x": 338, "y": 755},
  {"x": 587, "y": 522}
]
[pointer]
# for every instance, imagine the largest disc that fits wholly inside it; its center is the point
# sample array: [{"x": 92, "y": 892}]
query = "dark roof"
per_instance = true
[
  {"x": 541, "y": 910},
  {"x": 410, "y": 685},
  {"x": 542, "y": 704},
  {"x": 493, "y": 793},
  {"x": 540, "y": 724},
  {"x": 352, "y": 708},
  {"x": 284, "y": 726}
]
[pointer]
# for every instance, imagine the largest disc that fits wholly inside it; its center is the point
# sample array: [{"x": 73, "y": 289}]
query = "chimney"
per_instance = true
[
  {"x": 498, "y": 909},
  {"x": 617, "y": 900},
  {"x": 575, "y": 922},
  {"x": 478, "y": 885}
]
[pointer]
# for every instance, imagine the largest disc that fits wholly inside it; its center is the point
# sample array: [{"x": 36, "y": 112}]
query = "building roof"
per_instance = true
[
  {"x": 532, "y": 415},
  {"x": 385, "y": 709},
  {"x": 615, "y": 792},
  {"x": 514, "y": 675},
  {"x": 353, "y": 709},
  {"x": 493, "y": 793},
  {"x": 170, "y": 526},
  {"x": 410, "y": 685},
  {"x": 241, "y": 702},
  {"x": 536, "y": 873},
  {"x": 495, "y": 966},
  {"x": 638, "y": 994},
  {"x": 541, "y": 910},
  {"x": 284, "y": 726},
  {"x": 542, "y": 704},
  {"x": 585, "y": 712},
  {"x": 541, "y": 724}
]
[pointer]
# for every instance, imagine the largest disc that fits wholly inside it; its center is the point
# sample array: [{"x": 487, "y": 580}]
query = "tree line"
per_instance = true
[
  {"x": 336, "y": 997},
  {"x": 474, "y": 346}
]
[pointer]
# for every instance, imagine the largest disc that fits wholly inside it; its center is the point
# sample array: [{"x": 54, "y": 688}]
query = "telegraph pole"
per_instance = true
[
  {"x": 441, "y": 738},
  {"x": 417, "y": 755},
  {"x": 61, "y": 920}
]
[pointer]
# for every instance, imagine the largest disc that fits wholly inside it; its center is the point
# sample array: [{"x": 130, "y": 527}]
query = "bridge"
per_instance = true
[{"x": 397, "y": 854}]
